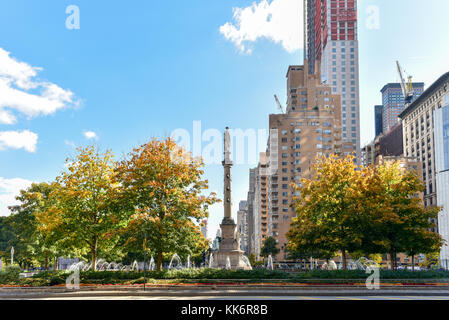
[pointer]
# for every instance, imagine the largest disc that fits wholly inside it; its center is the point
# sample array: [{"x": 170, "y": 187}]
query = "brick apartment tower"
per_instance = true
[
  {"x": 330, "y": 38},
  {"x": 311, "y": 127}
]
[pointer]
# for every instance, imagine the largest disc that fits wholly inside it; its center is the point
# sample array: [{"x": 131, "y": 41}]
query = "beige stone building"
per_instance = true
[
  {"x": 418, "y": 134},
  {"x": 260, "y": 205},
  {"x": 422, "y": 137},
  {"x": 310, "y": 127}
]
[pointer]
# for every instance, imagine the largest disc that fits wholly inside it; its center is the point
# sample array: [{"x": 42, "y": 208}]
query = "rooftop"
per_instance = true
[
  {"x": 397, "y": 85},
  {"x": 425, "y": 95}
]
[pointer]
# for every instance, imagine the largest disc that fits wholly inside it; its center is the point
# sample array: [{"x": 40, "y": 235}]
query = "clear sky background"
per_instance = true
[{"x": 139, "y": 69}]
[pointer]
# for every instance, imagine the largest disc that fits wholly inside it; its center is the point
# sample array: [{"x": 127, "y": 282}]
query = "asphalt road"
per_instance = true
[{"x": 249, "y": 298}]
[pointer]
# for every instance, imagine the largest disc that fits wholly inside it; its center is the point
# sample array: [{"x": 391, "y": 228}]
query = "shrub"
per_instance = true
[{"x": 10, "y": 274}]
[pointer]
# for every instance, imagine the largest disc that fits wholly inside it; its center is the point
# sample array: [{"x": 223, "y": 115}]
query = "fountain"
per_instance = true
[
  {"x": 270, "y": 262},
  {"x": 364, "y": 263},
  {"x": 247, "y": 262},
  {"x": 177, "y": 260},
  {"x": 329, "y": 266},
  {"x": 102, "y": 265},
  {"x": 152, "y": 265},
  {"x": 211, "y": 261},
  {"x": 228, "y": 263}
]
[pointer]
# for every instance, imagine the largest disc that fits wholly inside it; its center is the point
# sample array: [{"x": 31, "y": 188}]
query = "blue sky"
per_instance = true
[{"x": 139, "y": 69}]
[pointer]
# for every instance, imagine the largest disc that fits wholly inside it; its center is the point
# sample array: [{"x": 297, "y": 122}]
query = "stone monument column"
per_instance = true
[
  {"x": 227, "y": 164},
  {"x": 229, "y": 247}
]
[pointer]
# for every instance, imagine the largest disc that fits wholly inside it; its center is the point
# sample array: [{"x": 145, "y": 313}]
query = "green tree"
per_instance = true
[
  {"x": 269, "y": 247},
  {"x": 34, "y": 201},
  {"x": 399, "y": 222},
  {"x": 87, "y": 216}
]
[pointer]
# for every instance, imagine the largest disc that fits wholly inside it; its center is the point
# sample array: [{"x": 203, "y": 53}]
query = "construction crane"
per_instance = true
[
  {"x": 407, "y": 88},
  {"x": 279, "y": 104}
]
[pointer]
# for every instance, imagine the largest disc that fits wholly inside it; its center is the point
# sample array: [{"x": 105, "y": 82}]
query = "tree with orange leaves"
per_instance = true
[{"x": 163, "y": 186}]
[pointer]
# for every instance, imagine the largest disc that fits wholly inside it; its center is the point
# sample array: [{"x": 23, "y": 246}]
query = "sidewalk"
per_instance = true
[{"x": 217, "y": 291}]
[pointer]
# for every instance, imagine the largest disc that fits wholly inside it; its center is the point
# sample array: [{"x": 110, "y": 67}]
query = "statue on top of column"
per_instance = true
[{"x": 227, "y": 147}]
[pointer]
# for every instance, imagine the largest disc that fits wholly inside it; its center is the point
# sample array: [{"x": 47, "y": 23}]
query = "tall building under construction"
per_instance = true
[
  {"x": 330, "y": 39},
  {"x": 310, "y": 127},
  {"x": 321, "y": 118}
]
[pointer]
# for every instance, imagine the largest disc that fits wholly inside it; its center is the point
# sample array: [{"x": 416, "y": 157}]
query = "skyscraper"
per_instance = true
[
  {"x": 393, "y": 103},
  {"x": 331, "y": 39},
  {"x": 204, "y": 228},
  {"x": 378, "y": 116},
  {"x": 311, "y": 127},
  {"x": 242, "y": 225}
]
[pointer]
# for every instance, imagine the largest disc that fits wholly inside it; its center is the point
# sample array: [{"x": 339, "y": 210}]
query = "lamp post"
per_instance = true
[
  {"x": 12, "y": 256},
  {"x": 144, "y": 259}
]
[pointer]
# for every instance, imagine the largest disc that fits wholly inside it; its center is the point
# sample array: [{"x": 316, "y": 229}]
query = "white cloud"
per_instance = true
[
  {"x": 279, "y": 21},
  {"x": 70, "y": 143},
  {"x": 22, "y": 93},
  {"x": 9, "y": 189},
  {"x": 90, "y": 135},
  {"x": 18, "y": 140}
]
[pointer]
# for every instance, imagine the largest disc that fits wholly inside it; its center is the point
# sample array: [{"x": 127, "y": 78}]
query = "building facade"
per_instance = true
[
  {"x": 311, "y": 127},
  {"x": 204, "y": 228},
  {"x": 393, "y": 103},
  {"x": 250, "y": 210},
  {"x": 258, "y": 228},
  {"x": 441, "y": 117},
  {"x": 418, "y": 120},
  {"x": 331, "y": 41},
  {"x": 242, "y": 225}
]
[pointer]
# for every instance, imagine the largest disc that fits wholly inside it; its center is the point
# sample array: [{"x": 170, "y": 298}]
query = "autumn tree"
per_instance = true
[
  {"x": 164, "y": 187},
  {"x": 87, "y": 216},
  {"x": 39, "y": 244},
  {"x": 367, "y": 210},
  {"x": 327, "y": 211},
  {"x": 399, "y": 222}
]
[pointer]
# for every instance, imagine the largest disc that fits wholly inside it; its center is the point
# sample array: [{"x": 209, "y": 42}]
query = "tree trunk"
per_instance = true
[
  {"x": 46, "y": 262},
  {"x": 392, "y": 259},
  {"x": 93, "y": 252},
  {"x": 55, "y": 263},
  {"x": 413, "y": 262},
  {"x": 343, "y": 256},
  {"x": 159, "y": 260}
]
